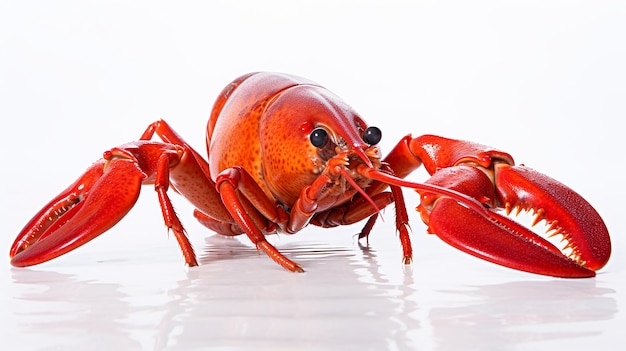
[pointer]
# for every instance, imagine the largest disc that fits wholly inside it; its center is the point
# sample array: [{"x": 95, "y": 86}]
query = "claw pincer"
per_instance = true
[
  {"x": 93, "y": 204},
  {"x": 50, "y": 219},
  {"x": 490, "y": 177},
  {"x": 89, "y": 207}
]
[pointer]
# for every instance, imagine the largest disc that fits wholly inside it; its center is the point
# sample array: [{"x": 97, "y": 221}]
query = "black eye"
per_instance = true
[
  {"x": 372, "y": 135},
  {"x": 319, "y": 137}
]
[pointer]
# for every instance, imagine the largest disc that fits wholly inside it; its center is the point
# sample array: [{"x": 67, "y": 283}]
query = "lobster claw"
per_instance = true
[
  {"x": 498, "y": 239},
  {"x": 89, "y": 207}
]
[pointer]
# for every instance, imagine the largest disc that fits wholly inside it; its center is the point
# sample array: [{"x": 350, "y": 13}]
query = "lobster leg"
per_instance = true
[
  {"x": 234, "y": 181},
  {"x": 490, "y": 177},
  {"x": 192, "y": 179},
  {"x": 172, "y": 222}
]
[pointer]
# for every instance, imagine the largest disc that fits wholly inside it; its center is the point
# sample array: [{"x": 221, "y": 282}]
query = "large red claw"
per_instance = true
[
  {"x": 566, "y": 212},
  {"x": 501, "y": 241},
  {"x": 498, "y": 239},
  {"x": 86, "y": 209}
]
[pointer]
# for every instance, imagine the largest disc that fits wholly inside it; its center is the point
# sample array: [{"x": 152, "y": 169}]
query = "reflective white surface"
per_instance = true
[
  {"x": 347, "y": 298},
  {"x": 543, "y": 81}
]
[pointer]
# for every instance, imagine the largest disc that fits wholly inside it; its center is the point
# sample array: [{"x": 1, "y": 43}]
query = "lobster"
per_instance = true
[{"x": 284, "y": 152}]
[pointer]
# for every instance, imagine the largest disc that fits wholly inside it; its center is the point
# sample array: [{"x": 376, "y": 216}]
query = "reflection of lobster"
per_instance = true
[{"x": 285, "y": 152}]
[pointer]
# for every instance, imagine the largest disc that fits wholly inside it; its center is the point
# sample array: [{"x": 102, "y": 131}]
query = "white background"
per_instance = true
[{"x": 543, "y": 80}]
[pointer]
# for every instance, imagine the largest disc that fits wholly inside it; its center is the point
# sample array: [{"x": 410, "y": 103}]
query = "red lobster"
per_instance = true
[{"x": 285, "y": 152}]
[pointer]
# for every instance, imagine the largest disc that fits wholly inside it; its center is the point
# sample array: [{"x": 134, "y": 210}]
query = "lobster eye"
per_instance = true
[
  {"x": 319, "y": 137},
  {"x": 372, "y": 135}
]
